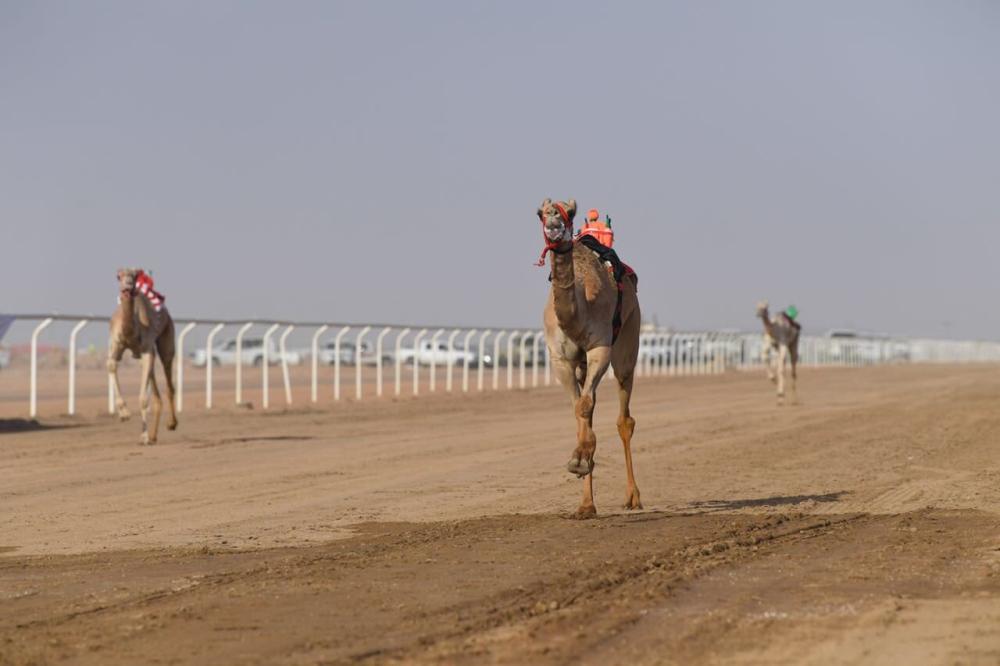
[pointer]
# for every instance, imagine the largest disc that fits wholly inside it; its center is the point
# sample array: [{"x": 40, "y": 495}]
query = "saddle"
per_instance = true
[
  {"x": 619, "y": 270},
  {"x": 791, "y": 322}
]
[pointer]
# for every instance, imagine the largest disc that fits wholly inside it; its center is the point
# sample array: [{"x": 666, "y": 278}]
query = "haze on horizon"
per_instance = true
[{"x": 383, "y": 161}]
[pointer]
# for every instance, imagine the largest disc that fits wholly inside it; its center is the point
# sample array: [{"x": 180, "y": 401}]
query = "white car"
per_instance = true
[
  {"x": 253, "y": 353},
  {"x": 348, "y": 353},
  {"x": 847, "y": 344},
  {"x": 438, "y": 353},
  {"x": 4, "y": 358}
]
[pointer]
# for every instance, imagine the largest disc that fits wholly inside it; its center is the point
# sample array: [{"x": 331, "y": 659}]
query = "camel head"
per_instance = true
[
  {"x": 762, "y": 309},
  {"x": 557, "y": 220},
  {"x": 126, "y": 281}
]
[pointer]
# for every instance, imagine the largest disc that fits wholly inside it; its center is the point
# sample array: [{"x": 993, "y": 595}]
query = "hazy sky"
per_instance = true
[{"x": 383, "y": 161}]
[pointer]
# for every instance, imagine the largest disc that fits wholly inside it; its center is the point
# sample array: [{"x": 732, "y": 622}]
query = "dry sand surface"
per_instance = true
[{"x": 862, "y": 526}]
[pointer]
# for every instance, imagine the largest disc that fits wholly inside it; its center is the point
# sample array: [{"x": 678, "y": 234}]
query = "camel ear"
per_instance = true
[
  {"x": 571, "y": 209},
  {"x": 541, "y": 209}
]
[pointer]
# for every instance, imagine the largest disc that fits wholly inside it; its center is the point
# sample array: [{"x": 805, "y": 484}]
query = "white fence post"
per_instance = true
[
  {"x": 689, "y": 358},
  {"x": 450, "y": 359},
  {"x": 358, "y": 358},
  {"x": 209, "y": 363},
  {"x": 284, "y": 363},
  {"x": 675, "y": 355},
  {"x": 496, "y": 358},
  {"x": 180, "y": 364},
  {"x": 314, "y": 389},
  {"x": 265, "y": 364},
  {"x": 33, "y": 400},
  {"x": 378, "y": 359},
  {"x": 644, "y": 351},
  {"x": 71, "y": 400},
  {"x": 548, "y": 364},
  {"x": 239, "y": 361},
  {"x": 416, "y": 360},
  {"x": 434, "y": 353},
  {"x": 661, "y": 349},
  {"x": 510, "y": 358},
  {"x": 336, "y": 361},
  {"x": 536, "y": 356},
  {"x": 467, "y": 359},
  {"x": 482, "y": 359},
  {"x": 522, "y": 362},
  {"x": 399, "y": 359}
]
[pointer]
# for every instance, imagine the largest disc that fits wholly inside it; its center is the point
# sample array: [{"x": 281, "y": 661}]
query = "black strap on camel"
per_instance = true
[{"x": 619, "y": 271}]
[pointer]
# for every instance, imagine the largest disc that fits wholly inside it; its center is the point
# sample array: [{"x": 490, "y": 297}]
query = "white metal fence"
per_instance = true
[{"x": 485, "y": 359}]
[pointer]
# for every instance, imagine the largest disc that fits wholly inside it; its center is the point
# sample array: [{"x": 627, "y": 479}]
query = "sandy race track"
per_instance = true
[{"x": 862, "y": 526}]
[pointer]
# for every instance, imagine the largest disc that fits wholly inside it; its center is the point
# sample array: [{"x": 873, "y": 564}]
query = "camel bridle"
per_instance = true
[{"x": 553, "y": 246}]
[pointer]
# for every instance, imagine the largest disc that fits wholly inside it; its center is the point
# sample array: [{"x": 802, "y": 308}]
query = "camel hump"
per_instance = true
[{"x": 619, "y": 269}]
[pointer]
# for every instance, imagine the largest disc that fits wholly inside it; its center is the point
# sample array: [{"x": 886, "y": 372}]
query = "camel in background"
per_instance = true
[
  {"x": 579, "y": 332},
  {"x": 781, "y": 335},
  {"x": 146, "y": 330}
]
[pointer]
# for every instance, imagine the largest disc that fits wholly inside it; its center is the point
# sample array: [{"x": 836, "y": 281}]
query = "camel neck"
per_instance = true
[
  {"x": 765, "y": 316},
  {"x": 564, "y": 294},
  {"x": 128, "y": 317}
]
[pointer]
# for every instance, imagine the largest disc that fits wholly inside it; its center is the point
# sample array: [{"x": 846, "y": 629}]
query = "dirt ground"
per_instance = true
[{"x": 861, "y": 526}]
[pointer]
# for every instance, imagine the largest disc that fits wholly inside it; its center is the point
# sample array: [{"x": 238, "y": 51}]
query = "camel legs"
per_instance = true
[
  {"x": 114, "y": 356},
  {"x": 582, "y": 462},
  {"x": 165, "y": 349},
  {"x": 146, "y": 382},
  {"x": 782, "y": 357},
  {"x": 624, "y": 375},
  {"x": 793, "y": 355},
  {"x": 765, "y": 355},
  {"x": 626, "y": 427}
]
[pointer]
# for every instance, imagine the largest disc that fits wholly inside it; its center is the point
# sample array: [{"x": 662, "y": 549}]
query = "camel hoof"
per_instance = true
[
  {"x": 581, "y": 467},
  {"x": 124, "y": 415},
  {"x": 632, "y": 504},
  {"x": 585, "y": 513},
  {"x": 144, "y": 440},
  {"x": 172, "y": 425}
]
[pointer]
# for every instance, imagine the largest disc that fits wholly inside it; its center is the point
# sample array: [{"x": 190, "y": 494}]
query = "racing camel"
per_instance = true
[
  {"x": 781, "y": 335},
  {"x": 588, "y": 327},
  {"x": 142, "y": 325}
]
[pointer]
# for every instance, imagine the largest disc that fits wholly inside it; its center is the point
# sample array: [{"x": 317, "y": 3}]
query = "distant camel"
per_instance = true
[
  {"x": 580, "y": 322},
  {"x": 142, "y": 325},
  {"x": 781, "y": 335}
]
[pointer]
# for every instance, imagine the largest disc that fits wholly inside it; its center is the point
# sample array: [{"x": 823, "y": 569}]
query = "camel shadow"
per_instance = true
[
  {"x": 28, "y": 425},
  {"x": 706, "y": 506}
]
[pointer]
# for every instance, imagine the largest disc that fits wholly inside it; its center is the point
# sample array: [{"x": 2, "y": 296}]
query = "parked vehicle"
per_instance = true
[
  {"x": 671, "y": 352},
  {"x": 253, "y": 353},
  {"x": 531, "y": 350},
  {"x": 438, "y": 353},
  {"x": 653, "y": 350},
  {"x": 4, "y": 357},
  {"x": 348, "y": 353},
  {"x": 846, "y": 344}
]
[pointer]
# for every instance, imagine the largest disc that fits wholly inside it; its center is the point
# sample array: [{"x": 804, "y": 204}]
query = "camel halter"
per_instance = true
[{"x": 554, "y": 245}]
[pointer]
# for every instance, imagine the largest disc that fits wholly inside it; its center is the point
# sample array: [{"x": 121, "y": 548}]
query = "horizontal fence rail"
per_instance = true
[{"x": 478, "y": 354}]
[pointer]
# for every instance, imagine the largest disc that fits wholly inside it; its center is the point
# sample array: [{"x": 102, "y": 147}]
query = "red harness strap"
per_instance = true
[
  {"x": 552, "y": 245},
  {"x": 144, "y": 285}
]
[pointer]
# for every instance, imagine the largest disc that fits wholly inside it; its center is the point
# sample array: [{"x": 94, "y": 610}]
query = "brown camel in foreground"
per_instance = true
[
  {"x": 579, "y": 333},
  {"x": 781, "y": 335},
  {"x": 137, "y": 326}
]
